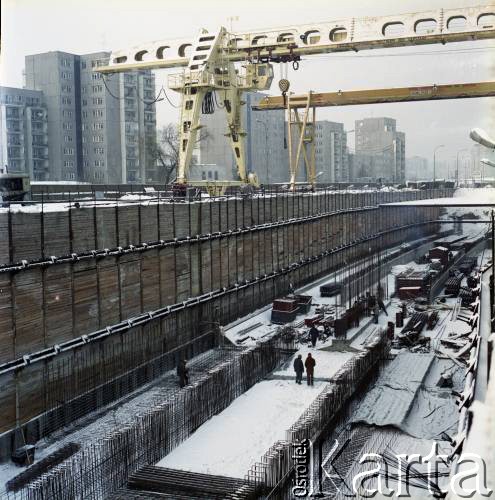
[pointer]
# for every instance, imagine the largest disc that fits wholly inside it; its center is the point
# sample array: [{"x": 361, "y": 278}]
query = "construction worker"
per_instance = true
[
  {"x": 313, "y": 335},
  {"x": 376, "y": 313},
  {"x": 371, "y": 303},
  {"x": 183, "y": 373},
  {"x": 298, "y": 368},
  {"x": 381, "y": 305},
  {"x": 310, "y": 368},
  {"x": 356, "y": 313}
]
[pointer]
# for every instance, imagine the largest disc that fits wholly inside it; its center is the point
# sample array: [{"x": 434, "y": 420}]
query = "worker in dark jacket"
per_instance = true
[
  {"x": 298, "y": 368},
  {"x": 310, "y": 368},
  {"x": 371, "y": 303},
  {"x": 381, "y": 305},
  {"x": 183, "y": 373},
  {"x": 313, "y": 335}
]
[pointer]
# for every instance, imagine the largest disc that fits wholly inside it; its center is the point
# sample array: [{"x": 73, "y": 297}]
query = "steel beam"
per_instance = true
[{"x": 376, "y": 96}]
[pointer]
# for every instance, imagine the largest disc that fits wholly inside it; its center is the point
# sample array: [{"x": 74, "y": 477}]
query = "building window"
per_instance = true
[
  {"x": 97, "y": 101},
  {"x": 67, "y": 126},
  {"x": 66, "y": 100},
  {"x": 12, "y": 112},
  {"x": 67, "y": 138},
  {"x": 98, "y": 126},
  {"x": 84, "y": 102},
  {"x": 13, "y": 139},
  {"x": 96, "y": 76},
  {"x": 68, "y": 151},
  {"x": 67, "y": 112},
  {"x": 97, "y": 138},
  {"x": 99, "y": 163},
  {"x": 99, "y": 151},
  {"x": 68, "y": 163},
  {"x": 66, "y": 63},
  {"x": 97, "y": 113},
  {"x": 70, "y": 176},
  {"x": 83, "y": 64},
  {"x": 97, "y": 88},
  {"x": 66, "y": 75},
  {"x": 84, "y": 114}
]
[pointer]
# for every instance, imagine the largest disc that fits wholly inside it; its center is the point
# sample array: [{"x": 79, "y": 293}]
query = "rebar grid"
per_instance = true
[
  {"x": 100, "y": 468},
  {"x": 278, "y": 462}
]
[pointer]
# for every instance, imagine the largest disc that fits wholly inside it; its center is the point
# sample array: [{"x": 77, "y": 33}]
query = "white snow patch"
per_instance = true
[{"x": 229, "y": 443}]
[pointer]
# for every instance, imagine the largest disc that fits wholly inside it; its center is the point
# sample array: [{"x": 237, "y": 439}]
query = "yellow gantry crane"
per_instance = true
[
  {"x": 301, "y": 112},
  {"x": 233, "y": 63}
]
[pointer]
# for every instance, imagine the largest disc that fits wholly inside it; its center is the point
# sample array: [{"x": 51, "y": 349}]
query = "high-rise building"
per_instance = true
[
  {"x": 382, "y": 148},
  {"x": 99, "y": 131},
  {"x": 417, "y": 168},
  {"x": 23, "y": 132},
  {"x": 265, "y": 151},
  {"x": 331, "y": 152}
]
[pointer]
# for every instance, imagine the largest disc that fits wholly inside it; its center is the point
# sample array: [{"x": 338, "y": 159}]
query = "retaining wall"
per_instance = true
[{"x": 86, "y": 310}]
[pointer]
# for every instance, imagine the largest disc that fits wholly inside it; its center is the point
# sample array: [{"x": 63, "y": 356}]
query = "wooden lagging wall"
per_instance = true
[{"x": 44, "y": 306}]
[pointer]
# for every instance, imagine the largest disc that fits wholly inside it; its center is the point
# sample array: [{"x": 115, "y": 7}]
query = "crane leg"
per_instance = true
[
  {"x": 192, "y": 98},
  {"x": 235, "y": 131}
]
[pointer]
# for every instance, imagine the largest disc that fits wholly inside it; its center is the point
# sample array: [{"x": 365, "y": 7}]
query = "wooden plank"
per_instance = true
[
  {"x": 106, "y": 227},
  {"x": 109, "y": 291},
  {"x": 58, "y": 304},
  {"x": 31, "y": 392},
  {"x": 28, "y": 300},
  {"x": 83, "y": 237},
  {"x": 7, "y": 402},
  {"x": 150, "y": 280},
  {"x": 85, "y": 297},
  {"x": 4, "y": 238},
  {"x": 205, "y": 266},
  {"x": 26, "y": 236},
  {"x": 56, "y": 233},
  {"x": 166, "y": 222},
  {"x": 167, "y": 269},
  {"x": 128, "y": 231},
  {"x": 130, "y": 285},
  {"x": 149, "y": 224},
  {"x": 6, "y": 325},
  {"x": 181, "y": 220}
]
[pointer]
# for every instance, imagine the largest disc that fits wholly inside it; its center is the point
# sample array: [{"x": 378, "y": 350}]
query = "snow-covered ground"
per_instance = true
[{"x": 229, "y": 443}]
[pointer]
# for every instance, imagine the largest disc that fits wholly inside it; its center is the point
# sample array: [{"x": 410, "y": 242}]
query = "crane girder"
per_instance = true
[
  {"x": 376, "y": 96},
  {"x": 293, "y": 42},
  {"x": 208, "y": 65}
]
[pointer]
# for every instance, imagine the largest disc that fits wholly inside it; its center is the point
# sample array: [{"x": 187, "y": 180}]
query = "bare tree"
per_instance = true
[{"x": 166, "y": 151}]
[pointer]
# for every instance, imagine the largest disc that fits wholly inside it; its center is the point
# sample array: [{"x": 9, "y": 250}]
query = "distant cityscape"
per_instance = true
[{"x": 70, "y": 124}]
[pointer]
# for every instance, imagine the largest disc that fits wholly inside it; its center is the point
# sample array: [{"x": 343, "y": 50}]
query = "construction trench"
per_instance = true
[{"x": 118, "y": 292}]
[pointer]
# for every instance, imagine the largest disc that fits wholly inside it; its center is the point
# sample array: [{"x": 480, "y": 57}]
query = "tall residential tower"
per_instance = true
[{"x": 98, "y": 131}]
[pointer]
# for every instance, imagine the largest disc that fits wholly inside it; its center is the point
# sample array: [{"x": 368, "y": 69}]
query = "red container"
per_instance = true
[{"x": 286, "y": 305}]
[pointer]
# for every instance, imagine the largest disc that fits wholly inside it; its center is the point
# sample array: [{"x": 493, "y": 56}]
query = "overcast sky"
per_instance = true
[{"x": 34, "y": 26}]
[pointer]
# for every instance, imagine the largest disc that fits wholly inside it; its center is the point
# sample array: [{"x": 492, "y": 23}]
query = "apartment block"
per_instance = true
[
  {"x": 23, "y": 132},
  {"x": 100, "y": 130},
  {"x": 381, "y": 148}
]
